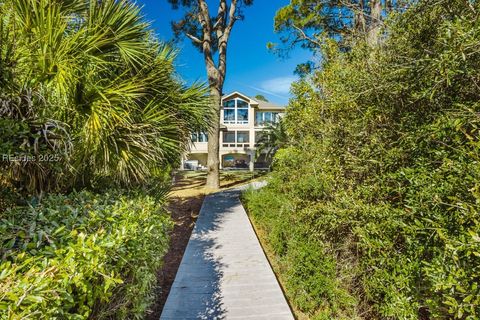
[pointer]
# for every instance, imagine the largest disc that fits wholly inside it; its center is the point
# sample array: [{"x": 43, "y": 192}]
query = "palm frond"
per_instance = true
[
  {"x": 273, "y": 138},
  {"x": 98, "y": 69}
]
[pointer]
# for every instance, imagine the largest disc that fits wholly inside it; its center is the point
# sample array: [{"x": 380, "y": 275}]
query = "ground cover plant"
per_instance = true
[
  {"x": 372, "y": 210},
  {"x": 82, "y": 256}
]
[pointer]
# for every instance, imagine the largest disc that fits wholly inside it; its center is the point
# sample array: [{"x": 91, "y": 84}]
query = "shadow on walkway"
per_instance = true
[
  {"x": 224, "y": 273},
  {"x": 197, "y": 285}
]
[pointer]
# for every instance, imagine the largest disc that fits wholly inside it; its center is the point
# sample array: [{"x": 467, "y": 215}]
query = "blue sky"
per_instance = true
[{"x": 252, "y": 68}]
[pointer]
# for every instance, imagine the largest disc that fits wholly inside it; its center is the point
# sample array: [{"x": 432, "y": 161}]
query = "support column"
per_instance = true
[
  {"x": 182, "y": 163},
  {"x": 251, "y": 163}
]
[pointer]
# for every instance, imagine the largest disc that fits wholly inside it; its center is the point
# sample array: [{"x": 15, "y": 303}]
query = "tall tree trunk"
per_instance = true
[
  {"x": 375, "y": 21},
  {"x": 360, "y": 21},
  {"x": 216, "y": 74},
  {"x": 213, "y": 162}
]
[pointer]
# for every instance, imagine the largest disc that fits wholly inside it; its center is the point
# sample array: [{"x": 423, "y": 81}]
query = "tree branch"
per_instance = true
[
  {"x": 231, "y": 17},
  {"x": 223, "y": 40},
  {"x": 205, "y": 22},
  {"x": 306, "y": 37},
  {"x": 193, "y": 38},
  {"x": 204, "y": 16},
  {"x": 221, "y": 18}
]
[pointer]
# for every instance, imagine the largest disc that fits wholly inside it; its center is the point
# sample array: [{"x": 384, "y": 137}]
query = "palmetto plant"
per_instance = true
[
  {"x": 100, "y": 72},
  {"x": 273, "y": 138}
]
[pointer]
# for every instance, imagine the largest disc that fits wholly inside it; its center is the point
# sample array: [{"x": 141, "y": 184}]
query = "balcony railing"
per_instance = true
[
  {"x": 236, "y": 145},
  {"x": 264, "y": 123},
  {"x": 235, "y": 122}
]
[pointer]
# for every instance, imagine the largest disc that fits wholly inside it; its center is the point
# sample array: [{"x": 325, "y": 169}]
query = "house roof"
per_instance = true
[
  {"x": 263, "y": 105},
  {"x": 236, "y": 93}
]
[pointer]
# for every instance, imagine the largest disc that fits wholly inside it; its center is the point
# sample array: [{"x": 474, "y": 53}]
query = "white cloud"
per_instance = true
[{"x": 280, "y": 85}]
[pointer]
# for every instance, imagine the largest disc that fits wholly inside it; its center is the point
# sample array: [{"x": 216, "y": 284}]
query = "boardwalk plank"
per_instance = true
[{"x": 224, "y": 273}]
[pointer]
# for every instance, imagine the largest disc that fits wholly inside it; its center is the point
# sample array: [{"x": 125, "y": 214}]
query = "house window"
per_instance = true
[
  {"x": 243, "y": 137},
  {"x": 229, "y": 104},
  {"x": 266, "y": 118},
  {"x": 199, "y": 137},
  {"x": 242, "y": 112},
  {"x": 229, "y": 111},
  {"x": 258, "y": 118},
  {"x": 229, "y": 137},
  {"x": 238, "y": 139},
  {"x": 235, "y": 112}
]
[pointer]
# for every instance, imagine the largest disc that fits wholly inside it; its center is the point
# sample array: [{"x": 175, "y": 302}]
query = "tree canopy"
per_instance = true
[
  {"x": 261, "y": 97},
  {"x": 209, "y": 30},
  {"x": 307, "y": 22}
]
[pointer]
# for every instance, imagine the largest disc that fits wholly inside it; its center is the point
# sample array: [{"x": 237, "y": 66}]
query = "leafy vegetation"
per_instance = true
[
  {"x": 88, "y": 95},
  {"x": 81, "y": 256},
  {"x": 261, "y": 97},
  {"x": 89, "y": 101},
  {"x": 273, "y": 138},
  {"x": 306, "y": 23},
  {"x": 372, "y": 211}
]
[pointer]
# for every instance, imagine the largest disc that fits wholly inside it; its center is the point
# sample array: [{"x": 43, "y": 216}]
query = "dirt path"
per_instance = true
[{"x": 184, "y": 213}]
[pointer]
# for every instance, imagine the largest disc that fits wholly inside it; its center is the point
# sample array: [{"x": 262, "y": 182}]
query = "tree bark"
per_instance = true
[
  {"x": 360, "y": 21},
  {"x": 216, "y": 76},
  {"x": 376, "y": 22},
  {"x": 213, "y": 162}
]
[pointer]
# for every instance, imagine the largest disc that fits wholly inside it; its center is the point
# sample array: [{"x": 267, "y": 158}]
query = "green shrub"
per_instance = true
[
  {"x": 82, "y": 255},
  {"x": 377, "y": 199}
]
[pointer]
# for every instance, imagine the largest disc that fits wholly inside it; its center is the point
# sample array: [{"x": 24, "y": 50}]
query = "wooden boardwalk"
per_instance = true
[{"x": 224, "y": 273}]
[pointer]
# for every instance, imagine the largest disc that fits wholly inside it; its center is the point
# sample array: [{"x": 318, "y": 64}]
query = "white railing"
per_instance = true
[{"x": 236, "y": 145}]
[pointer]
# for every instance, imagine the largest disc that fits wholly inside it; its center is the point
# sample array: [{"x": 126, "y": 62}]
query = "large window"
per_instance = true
[
  {"x": 242, "y": 112},
  {"x": 199, "y": 137},
  {"x": 229, "y": 111},
  {"x": 229, "y": 137},
  {"x": 263, "y": 118},
  {"x": 243, "y": 137},
  {"x": 235, "y": 112},
  {"x": 237, "y": 139}
]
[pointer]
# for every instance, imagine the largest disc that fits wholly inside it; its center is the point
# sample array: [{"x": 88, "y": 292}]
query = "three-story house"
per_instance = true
[{"x": 242, "y": 121}]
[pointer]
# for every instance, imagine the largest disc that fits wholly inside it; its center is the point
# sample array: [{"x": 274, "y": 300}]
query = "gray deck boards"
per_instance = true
[{"x": 224, "y": 273}]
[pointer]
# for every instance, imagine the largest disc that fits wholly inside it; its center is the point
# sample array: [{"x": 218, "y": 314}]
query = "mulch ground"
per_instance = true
[{"x": 184, "y": 212}]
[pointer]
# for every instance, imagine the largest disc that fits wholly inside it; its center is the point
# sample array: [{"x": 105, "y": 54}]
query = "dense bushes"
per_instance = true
[
  {"x": 81, "y": 256},
  {"x": 376, "y": 201}
]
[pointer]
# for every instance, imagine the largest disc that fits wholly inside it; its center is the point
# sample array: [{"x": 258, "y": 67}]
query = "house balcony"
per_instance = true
[
  {"x": 199, "y": 147},
  {"x": 202, "y": 147},
  {"x": 235, "y": 145}
]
